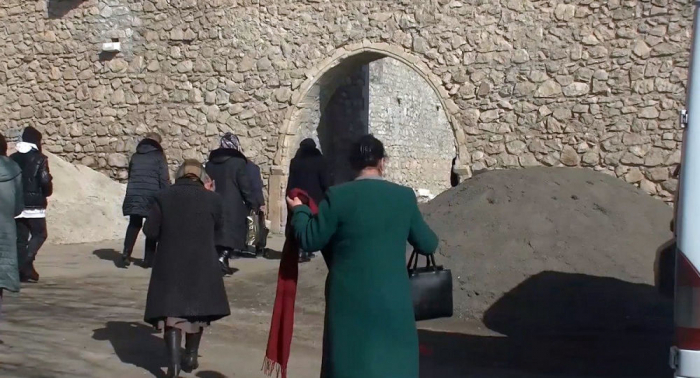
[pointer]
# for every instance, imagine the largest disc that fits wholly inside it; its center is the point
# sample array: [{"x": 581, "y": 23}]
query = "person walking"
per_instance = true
[
  {"x": 186, "y": 291},
  {"x": 11, "y": 205},
  {"x": 148, "y": 175},
  {"x": 362, "y": 228},
  {"x": 37, "y": 186},
  {"x": 308, "y": 171},
  {"x": 227, "y": 167}
]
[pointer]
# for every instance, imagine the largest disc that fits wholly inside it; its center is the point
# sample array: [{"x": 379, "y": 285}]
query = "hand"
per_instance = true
[
  {"x": 294, "y": 202},
  {"x": 210, "y": 186},
  {"x": 263, "y": 209}
]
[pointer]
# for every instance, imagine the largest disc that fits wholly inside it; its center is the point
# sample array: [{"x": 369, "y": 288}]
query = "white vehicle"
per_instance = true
[{"x": 685, "y": 354}]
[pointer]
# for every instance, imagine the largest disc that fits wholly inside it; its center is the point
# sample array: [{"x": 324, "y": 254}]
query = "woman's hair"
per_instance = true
[
  {"x": 154, "y": 137},
  {"x": 3, "y": 146},
  {"x": 192, "y": 169},
  {"x": 368, "y": 151}
]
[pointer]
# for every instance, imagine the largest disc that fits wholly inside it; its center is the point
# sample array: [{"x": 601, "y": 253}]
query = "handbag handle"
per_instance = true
[{"x": 413, "y": 261}]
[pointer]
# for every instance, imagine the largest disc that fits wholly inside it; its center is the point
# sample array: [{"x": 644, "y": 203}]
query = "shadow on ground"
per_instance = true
[
  {"x": 562, "y": 325},
  {"x": 135, "y": 344},
  {"x": 210, "y": 374},
  {"x": 116, "y": 258},
  {"x": 271, "y": 254}
]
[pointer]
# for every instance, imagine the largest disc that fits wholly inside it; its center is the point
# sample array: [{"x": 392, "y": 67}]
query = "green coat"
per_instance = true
[
  {"x": 363, "y": 226},
  {"x": 11, "y": 205}
]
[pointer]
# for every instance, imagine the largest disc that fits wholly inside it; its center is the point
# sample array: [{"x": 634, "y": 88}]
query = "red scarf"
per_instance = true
[{"x": 279, "y": 342}]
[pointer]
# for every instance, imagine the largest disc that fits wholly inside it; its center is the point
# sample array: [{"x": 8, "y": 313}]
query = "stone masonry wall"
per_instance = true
[
  {"x": 577, "y": 83},
  {"x": 406, "y": 113}
]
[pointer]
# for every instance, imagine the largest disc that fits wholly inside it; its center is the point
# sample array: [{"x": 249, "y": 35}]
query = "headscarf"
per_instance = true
[{"x": 230, "y": 141}]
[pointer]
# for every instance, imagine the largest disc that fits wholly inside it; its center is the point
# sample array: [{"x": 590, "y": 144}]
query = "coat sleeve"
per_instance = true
[
  {"x": 323, "y": 176},
  {"x": 152, "y": 226},
  {"x": 420, "y": 236},
  {"x": 246, "y": 189},
  {"x": 164, "y": 174},
  {"x": 218, "y": 213},
  {"x": 315, "y": 232},
  {"x": 45, "y": 178},
  {"x": 19, "y": 196}
]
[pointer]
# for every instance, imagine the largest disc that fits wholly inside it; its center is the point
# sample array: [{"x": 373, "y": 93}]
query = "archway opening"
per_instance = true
[{"x": 371, "y": 92}]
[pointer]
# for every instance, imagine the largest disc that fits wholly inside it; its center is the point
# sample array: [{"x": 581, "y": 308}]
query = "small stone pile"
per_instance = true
[{"x": 552, "y": 249}]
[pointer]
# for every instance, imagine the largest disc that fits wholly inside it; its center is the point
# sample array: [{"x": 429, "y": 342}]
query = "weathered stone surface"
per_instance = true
[
  {"x": 565, "y": 12},
  {"x": 576, "y": 89},
  {"x": 118, "y": 160},
  {"x": 589, "y": 83},
  {"x": 549, "y": 88},
  {"x": 570, "y": 157},
  {"x": 591, "y": 159},
  {"x": 634, "y": 176}
]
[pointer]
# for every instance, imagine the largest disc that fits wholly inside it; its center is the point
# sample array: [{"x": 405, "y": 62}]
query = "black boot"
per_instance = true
[
  {"x": 126, "y": 259},
  {"x": 189, "y": 360},
  {"x": 224, "y": 262},
  {"x": 173, "y": 339},
  {"x": 304, "y": 257}
]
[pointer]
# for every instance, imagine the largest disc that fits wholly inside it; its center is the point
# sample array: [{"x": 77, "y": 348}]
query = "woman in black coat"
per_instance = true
[
  {"x": 308, "y": 171},
  {"x": 186, "y": 291},
  {"x": 148, "y": 175},
  {"x": 227, "y": 167}
]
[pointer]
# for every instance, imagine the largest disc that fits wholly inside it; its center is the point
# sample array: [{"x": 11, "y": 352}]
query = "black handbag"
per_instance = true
[{"x": 431, "y": 289}]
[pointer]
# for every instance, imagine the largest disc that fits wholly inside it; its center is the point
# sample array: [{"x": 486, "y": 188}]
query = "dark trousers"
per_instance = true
[
  {"x": 31, "y": 235},
  {"x": 132, "y": 233}
]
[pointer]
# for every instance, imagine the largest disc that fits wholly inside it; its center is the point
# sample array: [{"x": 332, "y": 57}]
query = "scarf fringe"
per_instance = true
[{"x": 271, "y": 367}]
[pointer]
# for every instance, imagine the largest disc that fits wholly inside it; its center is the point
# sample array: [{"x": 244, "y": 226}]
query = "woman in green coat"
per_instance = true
[
  {"x": 362, "y": 227},
  {"x": 11, "y": 205}
]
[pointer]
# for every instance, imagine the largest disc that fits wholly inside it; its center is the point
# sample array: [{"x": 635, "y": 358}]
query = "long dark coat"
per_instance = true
[
  {"x": 186, "y": 281},
  {"x": 308, "y": 172},
  {"x": 148, "y": 174},
  {"x": 227, "y": 167}
]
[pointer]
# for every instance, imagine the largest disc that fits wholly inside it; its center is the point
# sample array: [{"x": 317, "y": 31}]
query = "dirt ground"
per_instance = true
[{"x": 84, "y": 319}]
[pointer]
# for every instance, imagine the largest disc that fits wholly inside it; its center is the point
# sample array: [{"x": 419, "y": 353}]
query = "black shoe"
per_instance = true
[
  {"x": 189, "y": 360},
  {"x": 304, "y": 257},
  {"x": 224, "y": 263},
  {"x": 173, "y": 339},
  {"x": 126, "y": 260},
  {"x": 29, "y": 274}
]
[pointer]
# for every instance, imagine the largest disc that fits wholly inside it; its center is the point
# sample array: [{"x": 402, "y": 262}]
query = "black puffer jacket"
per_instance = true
[
  {"x": 36, "y": 178},
  {"x": 227, "y": 167},
  {"x": 148, "y": 175}
]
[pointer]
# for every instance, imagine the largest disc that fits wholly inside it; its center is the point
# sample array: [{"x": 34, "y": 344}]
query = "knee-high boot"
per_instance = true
[
  {"x": 189, "y": 360},
  {"x": 173, "y": 339}
]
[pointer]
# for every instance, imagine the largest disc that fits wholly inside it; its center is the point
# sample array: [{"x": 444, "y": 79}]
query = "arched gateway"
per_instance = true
[{"x": 326, "y": 77}]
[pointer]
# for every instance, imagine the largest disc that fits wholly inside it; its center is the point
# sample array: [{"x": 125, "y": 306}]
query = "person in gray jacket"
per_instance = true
[{"x": 11, "y": 205}]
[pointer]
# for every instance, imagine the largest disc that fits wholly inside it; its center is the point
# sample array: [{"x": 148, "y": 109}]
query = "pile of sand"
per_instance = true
[
  {"x": 85, "y": 206},
  {"x": 555, "y": 249}
]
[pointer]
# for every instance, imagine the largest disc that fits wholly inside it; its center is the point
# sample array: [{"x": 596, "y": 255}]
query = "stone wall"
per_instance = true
[
  {"x": 406, "y": 113},
  {"x": 576, "y": 83}
]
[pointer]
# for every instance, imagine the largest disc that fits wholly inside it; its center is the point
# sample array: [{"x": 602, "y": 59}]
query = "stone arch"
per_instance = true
[{"x": 348, "y": 55}]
